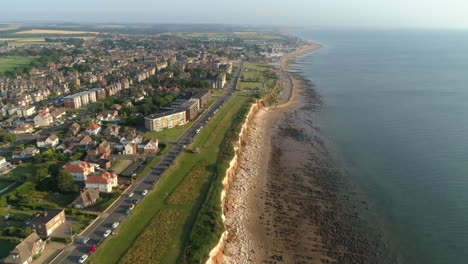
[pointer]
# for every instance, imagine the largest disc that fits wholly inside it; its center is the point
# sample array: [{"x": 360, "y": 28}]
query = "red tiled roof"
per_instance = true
[
  {"x": 104, "y": 178},
  {"x": 93, "y": 127}
]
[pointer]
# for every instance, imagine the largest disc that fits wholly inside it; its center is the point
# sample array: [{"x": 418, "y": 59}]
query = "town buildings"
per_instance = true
[
  {"x": 26, "y": 250},
  {"x": 46, "y": 222},
  {"x": 168, "y": 119}
]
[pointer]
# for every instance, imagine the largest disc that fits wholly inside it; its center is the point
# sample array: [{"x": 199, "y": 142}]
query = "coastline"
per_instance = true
[{"x": 285, "y": 205}]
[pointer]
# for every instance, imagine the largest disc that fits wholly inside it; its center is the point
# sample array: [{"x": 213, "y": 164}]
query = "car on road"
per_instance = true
[
  {"x": 144, "y": 192},
  {"x": 83, "y": 258},
  {"x": 107, "y": 233},
  {"x": 92, "y": 249},
  {"x": 84, "y": 240},
  {"x": 115, "y": 225},
  {"x": 130, "y": 195}
]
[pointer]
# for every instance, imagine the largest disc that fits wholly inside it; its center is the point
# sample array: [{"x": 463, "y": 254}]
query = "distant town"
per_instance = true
[{"x": 91, "y": 122}]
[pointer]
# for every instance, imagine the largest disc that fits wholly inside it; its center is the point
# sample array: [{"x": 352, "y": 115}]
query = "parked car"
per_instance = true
[
  {"x": 107, "y": 233},
  {"x": 144, "y": 192},
  {"x": 130, "y": 195},
  {"x": 115, "y": 225},
  {"x": 83, "y": 258},
  {"x": 136, "y": 201},
  {"x": 84, "y": 240},
  {"x": 92, "y": 249},
  {"x": 128, "y": 211}
]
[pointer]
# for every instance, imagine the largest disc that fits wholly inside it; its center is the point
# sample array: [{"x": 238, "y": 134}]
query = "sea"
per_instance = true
[{"x": 395, "y": 114}]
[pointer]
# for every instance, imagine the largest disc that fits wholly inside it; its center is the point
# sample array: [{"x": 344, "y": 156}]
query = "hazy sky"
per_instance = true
[{"x": 374, "y": 13}]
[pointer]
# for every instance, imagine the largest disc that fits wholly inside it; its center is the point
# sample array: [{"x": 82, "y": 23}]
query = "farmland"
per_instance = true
[{"x": 62, "y": 32}]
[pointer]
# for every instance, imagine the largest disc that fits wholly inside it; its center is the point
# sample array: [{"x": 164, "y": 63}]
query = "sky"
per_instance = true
[{"x": 328, "y": 13}]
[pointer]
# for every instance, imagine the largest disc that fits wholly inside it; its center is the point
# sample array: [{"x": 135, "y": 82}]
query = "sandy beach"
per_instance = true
[{"x": 286, "y": 204}]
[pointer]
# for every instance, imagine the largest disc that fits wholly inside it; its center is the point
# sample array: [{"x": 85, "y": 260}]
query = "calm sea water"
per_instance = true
[{"x": 396, "y": 111}]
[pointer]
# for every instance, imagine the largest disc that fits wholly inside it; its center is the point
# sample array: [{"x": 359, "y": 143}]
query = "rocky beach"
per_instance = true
[{"x": 288, "y": 203}]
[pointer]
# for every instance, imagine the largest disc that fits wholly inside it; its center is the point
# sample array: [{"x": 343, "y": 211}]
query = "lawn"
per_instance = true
[
  {"x": 25, "y": 171},
  {"x": 6, "y": 245},
  {"x": 10, "y": 62},
  {"x": 169, "y": 134},
  {"x": 169, "y": 195},
  {"x": 4, "y": 184},
  {"x": 257, "y": 75}
]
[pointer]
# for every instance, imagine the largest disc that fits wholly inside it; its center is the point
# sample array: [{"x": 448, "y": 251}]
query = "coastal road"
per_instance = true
[{"x": 117, "y": 212}]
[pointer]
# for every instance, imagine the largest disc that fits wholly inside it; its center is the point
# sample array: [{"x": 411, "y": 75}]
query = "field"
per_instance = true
[
  {"x": 170, "y": 134},
  {"x": 242, "y": 35},
  {"x": 10, "y": 62},
  {"x": 180, "y": 194},
  {"x": 257, "y": 75},
  {"x": 63, "y": 32}
]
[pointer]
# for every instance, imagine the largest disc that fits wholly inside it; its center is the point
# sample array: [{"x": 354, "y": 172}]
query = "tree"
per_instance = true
[{"x": 65, "y": 183}]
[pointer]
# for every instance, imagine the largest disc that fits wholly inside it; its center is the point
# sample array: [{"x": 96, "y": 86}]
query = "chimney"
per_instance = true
[{"x": 44, "y": 213}]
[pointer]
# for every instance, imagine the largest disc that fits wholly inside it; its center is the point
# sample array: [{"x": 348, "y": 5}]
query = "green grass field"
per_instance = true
[
  {"x": 257, "y": 75},
  {"x": 10, "y": 62},
  {"x": 4, "y": 184},
  {"x": 6, "y": 245},
  {"x": 177, "y": 195},
  {"x": 170, "y": 134}
]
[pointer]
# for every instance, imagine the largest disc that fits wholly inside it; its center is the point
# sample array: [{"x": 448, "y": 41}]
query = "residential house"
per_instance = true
[
  {"x": 79, "y": 169},
  {"x": 23, "y": 128},
  {"x": 102, "y": 181},
  {"x": 44, "y": 118},
  {"x": 46, "y": 222},
  {"x": 25, "y": 251},
  {"x": 26, "y": 153},
  {"x": 47, "y": 141},
  {"x": 93, "y": 129},
  {"x": 148, "y": 146},
  {"x": 86, "y": 198},
  {"x": 74, "y": 129},
  {"x": 4, "y": 164},
  {"x": 111, "y": 131},
  {"x": 108, "y": 115}
]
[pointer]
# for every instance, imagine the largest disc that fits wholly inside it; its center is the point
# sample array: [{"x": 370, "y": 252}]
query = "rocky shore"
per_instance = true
[{"x": 288, "y": 203}]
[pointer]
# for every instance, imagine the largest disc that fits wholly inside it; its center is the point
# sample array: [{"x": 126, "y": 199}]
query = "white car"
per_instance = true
[
  {"x": 115, "y": 225},
  {"x": 144, "y": 192},
  {"x": 107, "y": 233},
  {"x": 130, "y": 195},
  {"x": 83, "y": 259}
]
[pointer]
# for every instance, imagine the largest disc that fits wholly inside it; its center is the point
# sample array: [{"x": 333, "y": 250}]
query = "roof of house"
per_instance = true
[
  {"x": 23, "y": 250},
  {"x": 78, "y": 166},
  {"x": 46, "y": 216},
  {"x": 93, "y": 127},
  {"x": 101, "y": 178},
  {"x": 87, "y": 196}
]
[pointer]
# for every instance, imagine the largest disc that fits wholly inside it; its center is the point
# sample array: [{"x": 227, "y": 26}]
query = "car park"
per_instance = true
[
  {"x": 115, "y": 225},
  {"x": 83, "y": 259},
  {"x": 107, "y": 233}
]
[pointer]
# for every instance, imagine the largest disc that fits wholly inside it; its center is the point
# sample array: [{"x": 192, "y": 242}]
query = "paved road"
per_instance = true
[{"x": 117, "y": 213}]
